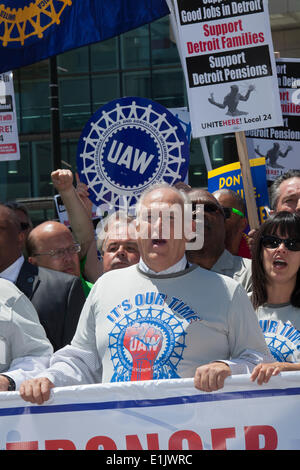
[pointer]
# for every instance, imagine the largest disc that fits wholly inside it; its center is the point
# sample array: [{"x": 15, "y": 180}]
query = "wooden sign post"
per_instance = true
[{"x": 247, "y": 180}]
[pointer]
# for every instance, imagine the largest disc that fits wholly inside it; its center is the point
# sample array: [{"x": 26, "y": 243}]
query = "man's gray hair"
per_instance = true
[
  {"x": 156, "y": 187},
  {"x": 274, "y": 189},
  {"x": 119, "y": 217}
]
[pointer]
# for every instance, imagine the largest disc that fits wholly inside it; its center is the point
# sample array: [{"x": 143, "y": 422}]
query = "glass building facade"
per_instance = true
[{"x": 143, "y": 62}]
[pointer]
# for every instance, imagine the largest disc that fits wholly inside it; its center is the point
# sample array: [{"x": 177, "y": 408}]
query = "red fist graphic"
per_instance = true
[{"x": 143, "y": 341}]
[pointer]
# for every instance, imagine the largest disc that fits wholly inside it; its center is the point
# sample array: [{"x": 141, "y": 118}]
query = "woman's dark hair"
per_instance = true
[{"x": 286, "y": 224}]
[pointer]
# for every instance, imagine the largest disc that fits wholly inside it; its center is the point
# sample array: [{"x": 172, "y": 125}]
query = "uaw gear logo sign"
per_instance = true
[
  {"x": 128, "y": 145},
  {"x": 29, "y": 20}
]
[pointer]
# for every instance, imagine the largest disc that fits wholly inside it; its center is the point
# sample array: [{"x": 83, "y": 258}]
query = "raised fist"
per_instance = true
[
  {"x": 62, "y": 180},
  {"x": 143, "y": 342}
]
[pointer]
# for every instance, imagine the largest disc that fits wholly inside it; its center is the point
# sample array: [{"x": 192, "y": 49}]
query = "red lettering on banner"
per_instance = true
[
  {"x": 219, "y": 436},
  {"x": 260, "y": 437},
  {"x": 133, "y": 442},
  {"x": 30, "y": 445},
  {"x": 192, "y": 438},
  {"x": 101, "y": 441},
  {"x": 153, "y": 442},
  {"x": 59, "y": 444},
  {"x": 252, "y": 434}
]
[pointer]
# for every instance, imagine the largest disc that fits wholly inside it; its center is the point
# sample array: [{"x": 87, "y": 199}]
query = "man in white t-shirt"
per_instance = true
[{"x": 159, "y": 319}]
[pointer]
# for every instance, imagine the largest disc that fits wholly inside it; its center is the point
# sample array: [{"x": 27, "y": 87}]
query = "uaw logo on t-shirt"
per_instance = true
[
  {"x": 128, "y": 145},
  {"x": 283, "y": 340},
  {"x": 148, "y": 339}
]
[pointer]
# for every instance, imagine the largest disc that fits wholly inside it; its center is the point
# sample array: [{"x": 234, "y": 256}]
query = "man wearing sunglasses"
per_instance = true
[
  {"x": 235, "y": 223},
  {"x": 213, "y": 255},
  {"x": 57, "y": 297}
]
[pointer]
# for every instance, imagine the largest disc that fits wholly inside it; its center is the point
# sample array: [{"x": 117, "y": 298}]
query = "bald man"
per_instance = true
[
  {"x": 58, "y": 297},
  {"x": 235, "y": 223},
  {"x": 51, "y": 245}
]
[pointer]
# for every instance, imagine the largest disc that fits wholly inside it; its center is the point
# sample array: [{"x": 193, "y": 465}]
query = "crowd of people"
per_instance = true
[{"x": 136, "y": 302}]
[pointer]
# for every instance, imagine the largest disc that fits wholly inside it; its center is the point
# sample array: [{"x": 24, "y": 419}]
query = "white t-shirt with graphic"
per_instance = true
[
  {"x": 139, "y": 326},
  {"x": 281, "y": 327}
]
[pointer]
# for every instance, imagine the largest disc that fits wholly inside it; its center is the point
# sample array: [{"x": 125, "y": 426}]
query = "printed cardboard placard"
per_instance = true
[
  {"x": 281, "y": 145},
  {"x": 9, "y": 139},
  {"x": 230, "y": 177},
  {"x": 228, "y": 59}
]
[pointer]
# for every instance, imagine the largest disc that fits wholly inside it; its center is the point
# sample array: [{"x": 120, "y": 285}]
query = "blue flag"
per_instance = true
[{"x": 36, "y": 29}]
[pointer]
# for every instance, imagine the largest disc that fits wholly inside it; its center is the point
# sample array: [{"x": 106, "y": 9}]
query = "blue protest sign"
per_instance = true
[
  {"x": 230, "y": 177},
  {"x": 128, "y": 145}
]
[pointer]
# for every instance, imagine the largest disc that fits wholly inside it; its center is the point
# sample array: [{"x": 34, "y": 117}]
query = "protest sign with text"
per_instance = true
[
  {"x": 230, "y": 177},
  {"x": 228, "y": 59},
  {"x": 9, "y": 140},
  {"x": 281, "y": 145}
]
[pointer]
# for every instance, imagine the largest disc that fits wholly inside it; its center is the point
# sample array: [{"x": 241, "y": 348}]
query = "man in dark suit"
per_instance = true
[{"x": 58, "y": 297}]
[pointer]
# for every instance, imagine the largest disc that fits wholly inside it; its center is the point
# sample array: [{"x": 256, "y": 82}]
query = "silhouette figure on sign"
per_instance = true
[
  {"x": 232, "y": 100},
  {"x": 273, "y": 154}
]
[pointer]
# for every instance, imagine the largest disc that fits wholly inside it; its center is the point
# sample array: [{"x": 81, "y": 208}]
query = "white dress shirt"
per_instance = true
[
  {"x": 179, "y": 266},
  {"x": 24, "y": 348},
  {"x": 12, "y": 272}
]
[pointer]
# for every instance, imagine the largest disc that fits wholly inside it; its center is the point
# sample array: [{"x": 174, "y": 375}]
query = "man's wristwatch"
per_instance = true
[{"x": 11, "y": 383}]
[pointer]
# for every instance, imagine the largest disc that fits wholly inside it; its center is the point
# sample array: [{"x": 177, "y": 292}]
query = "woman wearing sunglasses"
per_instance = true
[{"x": 276, "y": 292}]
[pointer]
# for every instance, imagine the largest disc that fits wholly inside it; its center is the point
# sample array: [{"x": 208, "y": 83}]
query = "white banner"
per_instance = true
[
  {"x": 227, "y": 55},
  {"x": 9, "y": 139},
  {"x": 157, "y": 415}
]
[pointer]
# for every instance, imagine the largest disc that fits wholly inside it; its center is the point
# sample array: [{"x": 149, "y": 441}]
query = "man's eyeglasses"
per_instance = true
[
  {"x": 269, "y": 241},
  {"x": 208, "y": 207},
  {"x": 228, "y": 211},
  {"x": 60, "y": 253}
]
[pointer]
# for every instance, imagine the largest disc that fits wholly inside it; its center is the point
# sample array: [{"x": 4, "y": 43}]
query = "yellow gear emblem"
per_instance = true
[{"x": 17, "y": 25}]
